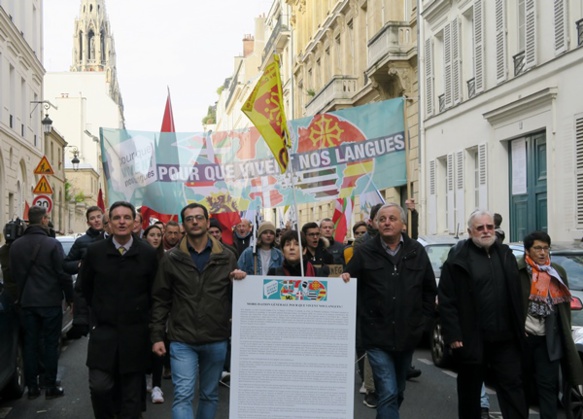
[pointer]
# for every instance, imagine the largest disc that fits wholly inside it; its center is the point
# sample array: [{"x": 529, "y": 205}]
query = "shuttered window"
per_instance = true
[
  {"x": 560, "y": 21},
  {"x": 429, "y": 87},
  {"x": 447, "y": 64},
  {"x": 455, "y": 62},
  {"x": 479, "y": 46},
  {"x": 530, "y": 36},
  {"x": 501, "y": 67},
  {"x": 579, "y": 168}
]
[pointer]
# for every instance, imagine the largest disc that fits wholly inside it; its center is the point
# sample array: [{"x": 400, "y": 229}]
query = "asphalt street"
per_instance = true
[{"x": 432, "y": 395}]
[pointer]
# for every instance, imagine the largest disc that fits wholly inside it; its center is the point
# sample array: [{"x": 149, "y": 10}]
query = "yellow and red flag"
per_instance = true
[{"x": 264, "y": 107}]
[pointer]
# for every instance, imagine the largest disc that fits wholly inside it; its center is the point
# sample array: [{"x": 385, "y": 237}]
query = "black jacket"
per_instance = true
[
  {"x": 47, "y": 283},
  {"x": 241, "y": 243},
  {"x": 118, "y": 291},
  {"x": 394, "y": 300},
  {"x": 459, "y": 308},
  {"x": 78, "y": 250}
]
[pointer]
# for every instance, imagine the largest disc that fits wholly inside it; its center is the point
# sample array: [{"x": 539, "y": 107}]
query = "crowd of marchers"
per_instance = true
[{"x": 156, "y": 302}]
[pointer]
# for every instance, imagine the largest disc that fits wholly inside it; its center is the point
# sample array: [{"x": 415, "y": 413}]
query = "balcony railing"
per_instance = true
[
  {"x": 471, "y": 87},
  {"x": 519, "y": 63},
  {"x": 441, "y": 99},
  {"x": 272, "y": 42},
  {"x": 394, "y": 39},
  {"x": 339, "y": 88},
  {"x": 579, "y": 24}
]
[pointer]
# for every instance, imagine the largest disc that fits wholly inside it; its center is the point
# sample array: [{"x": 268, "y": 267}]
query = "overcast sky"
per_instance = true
[{"x": 188, "y": 45}]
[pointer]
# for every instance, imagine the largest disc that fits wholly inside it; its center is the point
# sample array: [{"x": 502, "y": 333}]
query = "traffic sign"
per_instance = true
[
  {"x": 43, "y": 187},
  {"x": 43, "y": 201},
  {"x": 44, "y": 167}
]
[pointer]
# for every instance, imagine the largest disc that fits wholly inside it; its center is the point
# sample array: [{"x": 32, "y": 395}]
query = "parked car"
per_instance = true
[
  {"x": 11, "y": 360},
  {"x": 437, "y": 248}
]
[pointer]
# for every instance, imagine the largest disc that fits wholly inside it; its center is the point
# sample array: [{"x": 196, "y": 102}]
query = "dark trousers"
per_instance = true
[
  {"x": 504, "y": 361},
  {"x": 105, "y": 387},
  {"x": 545, "y": 374},
  {"x": 41, "y": 324}
]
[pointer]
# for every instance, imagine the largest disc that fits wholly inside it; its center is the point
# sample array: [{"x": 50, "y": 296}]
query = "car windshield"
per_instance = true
[
  {"x": 437, "y": 255},
  {"x": 573, "y": 265},
  {"x": 66, "y": 245}
]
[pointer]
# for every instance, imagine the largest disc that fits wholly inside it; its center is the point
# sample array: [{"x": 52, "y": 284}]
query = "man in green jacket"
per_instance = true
[
  {"x": 546, "y": 298},
  {"x": 192, "y": 291}
]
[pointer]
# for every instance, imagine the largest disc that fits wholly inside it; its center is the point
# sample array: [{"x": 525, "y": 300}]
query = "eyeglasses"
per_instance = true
[
  {"x": 191, "y": 218},
  {"x": 540, "y": 248},
  {"x": 484, "y": 227}
]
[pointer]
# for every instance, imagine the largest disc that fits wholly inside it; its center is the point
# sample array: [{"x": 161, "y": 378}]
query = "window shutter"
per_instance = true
[
  {"x": 579, "y": 168},
  {"x": 561, "y": 32},
  {"x": 459, "y": 190},
  {"x": 500, "y": 41},
  {"x": 447, "y": 63},
  {"x": 455, "y": 61},
  {"x": 429, "y": 78},
  {"x": 450, "y": 193},
  {"x": 483, "y": 175},
  {"x": 432, "y": 201},
  {"x": 530, "y": 48},
  {"x": 478, "y": 46}
]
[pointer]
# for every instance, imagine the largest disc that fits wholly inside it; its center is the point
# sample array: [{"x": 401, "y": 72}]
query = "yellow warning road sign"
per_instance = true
[
  {"x": 44, "y": 167},
  {"x": 43, "y": 187}
]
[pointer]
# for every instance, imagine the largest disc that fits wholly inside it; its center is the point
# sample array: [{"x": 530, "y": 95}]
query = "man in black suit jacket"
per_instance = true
[{"x": 117, "y": 278}]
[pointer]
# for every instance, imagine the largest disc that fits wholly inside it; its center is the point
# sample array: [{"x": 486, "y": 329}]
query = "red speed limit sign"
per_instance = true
[{"x": 43, "y": 201}]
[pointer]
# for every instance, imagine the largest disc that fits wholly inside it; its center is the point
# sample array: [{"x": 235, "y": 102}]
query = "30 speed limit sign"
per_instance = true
[{"x": 43, "y": 201}]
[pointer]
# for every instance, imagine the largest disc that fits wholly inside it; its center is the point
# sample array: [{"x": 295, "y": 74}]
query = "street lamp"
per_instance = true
[
  {"x": 75, "y": 161},
  {"x": 47, "y": 124}
]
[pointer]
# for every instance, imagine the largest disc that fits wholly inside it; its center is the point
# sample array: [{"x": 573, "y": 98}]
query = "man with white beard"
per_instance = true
[{"x": 482, "y": 318}]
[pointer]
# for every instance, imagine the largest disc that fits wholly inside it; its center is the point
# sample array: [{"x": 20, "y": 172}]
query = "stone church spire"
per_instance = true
[{"x": 93, "y": 45}]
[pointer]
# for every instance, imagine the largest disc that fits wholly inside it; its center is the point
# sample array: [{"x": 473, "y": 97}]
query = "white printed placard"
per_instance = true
[{"x": 293, "y": 345}]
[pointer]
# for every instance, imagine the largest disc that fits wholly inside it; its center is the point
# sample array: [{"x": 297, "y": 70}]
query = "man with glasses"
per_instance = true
[
  {"x": 316, "y": 253},
  {"x": 192, "y": 292},
  {"x": 482, "y": 318}
]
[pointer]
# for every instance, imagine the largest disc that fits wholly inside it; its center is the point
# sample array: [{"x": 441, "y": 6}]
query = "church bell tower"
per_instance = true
[{"x": 93, "y": 45}]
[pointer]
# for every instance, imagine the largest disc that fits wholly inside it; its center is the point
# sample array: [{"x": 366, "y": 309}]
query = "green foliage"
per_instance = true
[{"x": 80, "y": 197}]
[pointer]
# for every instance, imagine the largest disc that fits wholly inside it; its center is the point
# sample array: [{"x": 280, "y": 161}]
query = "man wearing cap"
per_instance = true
[{"x": 258, "y": 260}]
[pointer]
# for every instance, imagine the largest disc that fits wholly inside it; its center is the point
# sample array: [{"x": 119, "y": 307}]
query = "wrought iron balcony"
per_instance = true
[
  {"x": 579, "y": 24},
  {"x": 441, "y": 99},
  {"x": 471, "y": 87},
  {"x": 275, "y": 42},
  {"x": 393, "y": 41},
  {"x": 519, "y": 60},
  {"x": 339, "y": 90}
]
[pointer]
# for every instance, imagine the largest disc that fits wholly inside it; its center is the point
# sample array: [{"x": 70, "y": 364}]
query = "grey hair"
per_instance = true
[
  {"x": 402, "y": 212},
  {"x": 478, "y": 213}
]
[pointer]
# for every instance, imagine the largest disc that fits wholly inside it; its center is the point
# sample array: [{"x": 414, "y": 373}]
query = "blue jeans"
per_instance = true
[
  {"x": 390, "y": 376},
  {"x": 186, "y": 361},
  {"x": 42, "y": 326}
]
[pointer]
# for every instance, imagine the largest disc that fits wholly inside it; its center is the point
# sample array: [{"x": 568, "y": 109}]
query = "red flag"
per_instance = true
[
  {"x": 227, "y": 220},
  {"x": 168, "y": 121},
  {"x": 149, "y": 216},
  {"x": 100, "y": 202},
  {"x": 26, "y": 208}
]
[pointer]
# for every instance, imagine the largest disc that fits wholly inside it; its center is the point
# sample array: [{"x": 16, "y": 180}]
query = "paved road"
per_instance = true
[{"x": 430, "y": 396}]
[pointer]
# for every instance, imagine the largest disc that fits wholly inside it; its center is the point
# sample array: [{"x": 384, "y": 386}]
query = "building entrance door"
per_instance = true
[{"x": 528, "y": 186}]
